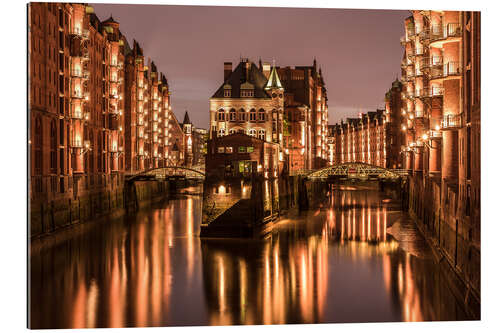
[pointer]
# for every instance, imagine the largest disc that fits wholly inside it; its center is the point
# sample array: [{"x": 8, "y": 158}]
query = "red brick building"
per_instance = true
[
  {"x": 287, "y": 106},
  {"x": 364, "y": 139},
  {"x": 241, "y": 155},
  {"x": 96, "y": 110},
  {"x": 441, "y": 122},
  {"x": 306, "y": 116}
]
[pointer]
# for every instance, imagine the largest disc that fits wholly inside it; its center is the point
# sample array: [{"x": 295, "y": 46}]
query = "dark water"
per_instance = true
[{"x": 358, "y": 259}]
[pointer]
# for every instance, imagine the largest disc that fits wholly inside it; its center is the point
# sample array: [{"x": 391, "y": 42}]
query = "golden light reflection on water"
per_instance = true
[{"x": 153, "y": 272}]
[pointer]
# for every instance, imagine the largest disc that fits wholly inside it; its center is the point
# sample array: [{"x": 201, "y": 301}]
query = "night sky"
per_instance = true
[{"x": 358, "y": 50}]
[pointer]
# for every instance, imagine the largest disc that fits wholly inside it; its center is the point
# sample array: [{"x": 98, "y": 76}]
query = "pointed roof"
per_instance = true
[
  {"x": 110, "y": 20},
  {"x": 186, "y": 119},
  {"x": 274, "y": 80},
  {"x": 239, "y": 76}
]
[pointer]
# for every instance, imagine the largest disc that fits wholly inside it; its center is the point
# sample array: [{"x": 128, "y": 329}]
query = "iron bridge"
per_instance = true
[
  {"x": 356, "y": 171},
  {"x": 168, "y": 172}
]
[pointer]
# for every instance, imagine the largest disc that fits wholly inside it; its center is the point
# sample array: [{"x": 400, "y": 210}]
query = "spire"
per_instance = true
[
  {"x": 186, "y": 119},
  {"x": 274, "y": 80}
]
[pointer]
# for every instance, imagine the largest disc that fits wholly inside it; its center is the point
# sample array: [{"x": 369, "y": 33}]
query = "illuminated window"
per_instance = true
[
  {"x": 222, "y": 132},
  {"x": 229, "y": 150},
  {"x": 221, "y": 115},
  {"x": 262, "y": 134},
  {"x": 242, "y": 149},
  {"x": 220, "y": 150},
  {"x": 262, "y": 115},
  {"x": 232, "y": 115},
  {"x": 249, "y": 149},
  {"x": 241, "y": 115},
  {"x": 252, "y": 132},
  {"x": 253, "y": 115}
]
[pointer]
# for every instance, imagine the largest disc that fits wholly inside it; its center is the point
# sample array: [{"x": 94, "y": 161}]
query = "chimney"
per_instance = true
[
  {"x": 266, "y": 69},
  {"x": 228, "y": 68}
]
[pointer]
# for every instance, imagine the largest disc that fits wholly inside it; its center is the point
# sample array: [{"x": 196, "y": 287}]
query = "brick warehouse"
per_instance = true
[
  {"x": 97, "y": 111},
  {"x": 281, "y": 105},
  {"x": 441, "y": 125}
]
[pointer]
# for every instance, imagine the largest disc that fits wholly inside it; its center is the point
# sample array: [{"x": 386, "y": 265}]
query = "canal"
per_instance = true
[{"x": 357, "y": 259}]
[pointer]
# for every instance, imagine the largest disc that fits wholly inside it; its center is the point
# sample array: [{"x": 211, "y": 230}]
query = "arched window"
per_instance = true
[
  {"x": 241, "y": 115},
  {"x": 262, "y": 115},
  {"x": 252, "y": 132},
  {"x": 221, "y": 132},
  {"x": 232, "y": 131},
  {"x": 232, "y": 115},
  {"x": 221, "y": 115},
  {"x": 38, "y": 143},
  {"x": 262, "y": 134},
  {"x": 53, "y": 147},
  {"x": 253, "y": 115}
]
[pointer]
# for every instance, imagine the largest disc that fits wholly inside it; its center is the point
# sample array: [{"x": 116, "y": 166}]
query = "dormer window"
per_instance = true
[
  {"x": 247, "y": 93},
  {"x": 227, "y": 90},
  {"x": 246, "y": 90}
]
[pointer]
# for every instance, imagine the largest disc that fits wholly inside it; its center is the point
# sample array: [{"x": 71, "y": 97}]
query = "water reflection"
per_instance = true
[{"x": 337, "y": 264}]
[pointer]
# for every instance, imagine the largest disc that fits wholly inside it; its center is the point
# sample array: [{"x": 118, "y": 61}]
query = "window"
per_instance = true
[
  {"x": 241, "y": 115},
  {"x": 249, "y": 149},
  {"x": 227, "y": 92},
  {"x": 232, "y": 115},
  {"x": 221, "y": 115},
  {"x": 262, "y": 134},
  {"x": 262, "y": 115},
  {"x": 53, "y": 147},
  {"x": 38, "y": 146},
  {"x": 242, "y": 149},
  {"x": 220, "y": 150},
  {"x": 246, "y": 93},
  {"x": 252, "y": 132},
  {"x": 253, "y": 115},
  {"x": 222, "y": 132},
  {"x": 229, "y": 150}
]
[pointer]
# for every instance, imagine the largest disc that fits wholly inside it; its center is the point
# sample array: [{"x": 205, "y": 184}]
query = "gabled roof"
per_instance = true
[
  {"x": 109, "y": 20},
  {"x": 239, "y": 76}
]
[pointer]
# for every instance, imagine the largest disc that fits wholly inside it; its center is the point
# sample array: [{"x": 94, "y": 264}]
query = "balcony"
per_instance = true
[
  {"x": 77, "y": 114},
  {"x": 419, "y": 114},
  {"x": 451, "y": 69},
  {"x": 439, "y": 32},
  {"x": 82, "y": 33},
  {"x": 436, "y": 91},
  {"x": 435, "y": 134},
  {"x": 419, "y": 51},
  {"x": 452, "y": 121},
  {"x": 436, "y": 72},
  {"x": 79, "y": 95},
  {"x": 424, "y": 34}
]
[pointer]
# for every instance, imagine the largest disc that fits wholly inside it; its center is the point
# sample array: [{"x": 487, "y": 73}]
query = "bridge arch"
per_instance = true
[
  {"x": 355, "y": 170},
  {"x": 168, "y": 171}
]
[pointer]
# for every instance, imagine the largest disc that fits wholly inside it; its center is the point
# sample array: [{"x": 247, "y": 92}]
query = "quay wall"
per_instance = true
[
  {"x": 49, "y": 216},
  {"x": 443, "y": 220}
]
